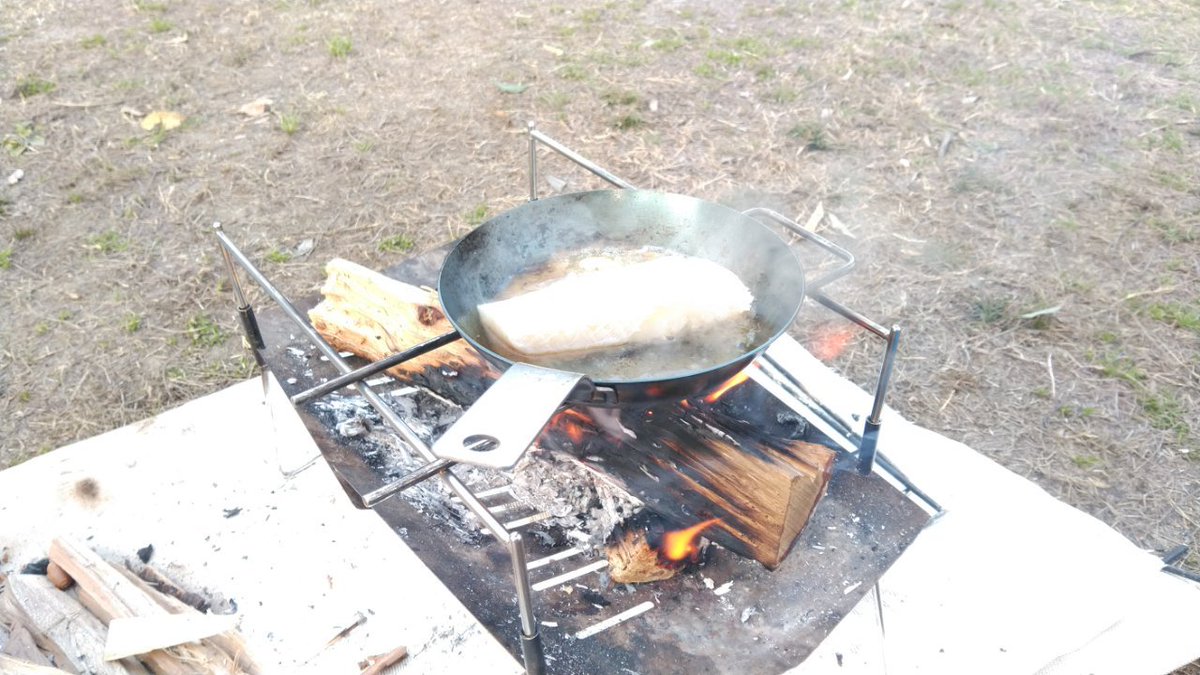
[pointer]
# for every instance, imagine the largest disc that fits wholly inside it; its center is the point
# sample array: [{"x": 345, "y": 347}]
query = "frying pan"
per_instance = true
[{"x": 497, "y": 429}]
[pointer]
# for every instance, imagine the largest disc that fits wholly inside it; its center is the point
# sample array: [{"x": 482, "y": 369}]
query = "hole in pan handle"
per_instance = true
[{"x": 505, "y": 421}]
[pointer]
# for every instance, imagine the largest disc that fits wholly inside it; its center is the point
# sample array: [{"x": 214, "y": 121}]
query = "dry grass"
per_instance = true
[{"x": 991, "y": 159}]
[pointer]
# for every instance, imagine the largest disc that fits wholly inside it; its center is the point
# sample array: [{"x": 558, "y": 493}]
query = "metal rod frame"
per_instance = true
[{"x": 530, "y": 636}]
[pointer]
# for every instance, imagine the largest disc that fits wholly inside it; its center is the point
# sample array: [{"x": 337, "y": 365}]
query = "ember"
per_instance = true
[
  {"x": 730, "y": 384},
  {"x": 680, "y": 545}
]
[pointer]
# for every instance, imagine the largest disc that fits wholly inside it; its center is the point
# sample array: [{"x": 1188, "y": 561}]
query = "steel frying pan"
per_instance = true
[{"x": 510, "y": 414}]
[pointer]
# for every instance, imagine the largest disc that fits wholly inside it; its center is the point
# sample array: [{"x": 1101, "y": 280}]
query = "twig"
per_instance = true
[
  {"x": 1138, "y": 294},
  {"x": 1050, "y": 369},
  {"x": 374, "y": 665}
]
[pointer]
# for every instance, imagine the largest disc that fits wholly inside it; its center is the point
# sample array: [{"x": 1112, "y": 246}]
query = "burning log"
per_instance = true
[
  {"x": 699, "y": 458},
  {"x": 730, "y": 455},
  {"x": 642, "y": 549},
  {"x": 375, "y": 316}
]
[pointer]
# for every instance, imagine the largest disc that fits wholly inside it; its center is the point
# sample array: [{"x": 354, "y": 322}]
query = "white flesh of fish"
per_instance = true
[{"x": 641, "y": 302}]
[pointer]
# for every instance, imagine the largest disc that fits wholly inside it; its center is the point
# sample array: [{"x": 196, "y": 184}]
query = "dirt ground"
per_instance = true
[{"x": 1020, "y": 181}]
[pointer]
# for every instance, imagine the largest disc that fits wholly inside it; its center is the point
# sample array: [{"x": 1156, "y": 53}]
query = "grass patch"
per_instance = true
[
  {"x": 133, "y": 323},
  {"x": 1165, "y": 412},
  {"x": 144, "y": 6},
  {"x": 1119, "y": 368},
  {"x": 108, "y": 243},
  {"x": 811, "y": 134},
  {"x": 339, "y": 47},
  {"x": 629, "y": 122},
  {"x": 74, "y": 198},
  {"x": 989, "y": 310},
  {"x": 23, "y": 138},
  {"x": 23, "y": 233},
  {"x": 1085, "y": 462},
  {"x": 160, "y": 25},
  {"x": 573, "y": 71},
  {"x": 93, "y": 42},
  {"x": 204, "y": 332},
  {"x": 783, "y": 95},
  {"x": 277, "y": 256},
  {"x": 1173, "y": 232},
  {"x": 398, "y": 244},
  {"x": 6, "y": 259},
  {"x": 1175, "y": 314},
  {"x": 289, "y": 123},
  {"x": 1174, "y": 181},
  {"x": 724, "y": 57},
  {"x": 33, "y": 85},
  {"x": 668, "y": 44},
  {"x": 617, "y": 97},
  {"x": 476, "y": 216},
  {"x": 706, "y": 70}
]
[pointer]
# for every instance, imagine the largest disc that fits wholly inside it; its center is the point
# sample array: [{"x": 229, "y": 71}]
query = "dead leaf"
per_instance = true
[
  {"x": 167, "y": 119},
  {"x": 257, "y": 108},
  {"x": 1048, "y": 311},
  {"x": 557, "y": 51},
  {"x": 815, "y": 219},
  {"x": 837, "y": 224},
  {"x": 511, "y": 88}
]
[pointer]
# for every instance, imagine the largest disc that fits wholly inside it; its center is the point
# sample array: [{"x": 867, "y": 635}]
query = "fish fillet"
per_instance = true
[{"x": 641, "y": 302}]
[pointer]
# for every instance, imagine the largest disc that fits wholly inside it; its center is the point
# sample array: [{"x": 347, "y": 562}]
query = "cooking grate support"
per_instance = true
[{"x": 862, "y": 447}]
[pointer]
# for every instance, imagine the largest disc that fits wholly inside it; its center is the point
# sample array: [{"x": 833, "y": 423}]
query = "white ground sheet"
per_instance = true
[{"x": 1009, "y": 580}]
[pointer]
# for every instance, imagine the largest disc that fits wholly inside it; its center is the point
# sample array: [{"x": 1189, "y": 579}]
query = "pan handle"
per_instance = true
[
  {"x": 846, "y": 256},
  {"x": 505, "y": 421}
]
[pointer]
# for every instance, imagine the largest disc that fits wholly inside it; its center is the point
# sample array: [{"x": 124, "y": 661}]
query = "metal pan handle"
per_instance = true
[
  {"x": 846, "y": 256},
  {"x": 506, "y": 420}
]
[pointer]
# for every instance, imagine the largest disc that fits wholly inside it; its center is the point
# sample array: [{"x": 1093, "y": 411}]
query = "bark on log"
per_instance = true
[{"x": 731, "y": 458}]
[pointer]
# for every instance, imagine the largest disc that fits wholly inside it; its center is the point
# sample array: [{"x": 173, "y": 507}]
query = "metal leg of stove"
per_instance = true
[
  {"x": 870, "y": 437},
  {"x": 245, "y": 312},
  {"x": 531, "y": 638}
]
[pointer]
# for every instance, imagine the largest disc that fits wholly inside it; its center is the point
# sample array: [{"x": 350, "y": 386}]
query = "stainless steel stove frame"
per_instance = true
[{"x": 860, "y": 447}]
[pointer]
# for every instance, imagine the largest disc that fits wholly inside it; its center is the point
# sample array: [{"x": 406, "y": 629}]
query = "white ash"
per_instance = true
[
  {"x": 585, "y": 505},
  {"x": 361, "y": 428}
]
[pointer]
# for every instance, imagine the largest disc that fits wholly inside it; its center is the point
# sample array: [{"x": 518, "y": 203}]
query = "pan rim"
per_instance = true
[{"x": 742, "y": 359}]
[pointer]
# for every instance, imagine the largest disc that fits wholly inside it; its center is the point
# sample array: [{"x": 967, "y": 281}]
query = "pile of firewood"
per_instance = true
[{"x": 88, "y": 616}]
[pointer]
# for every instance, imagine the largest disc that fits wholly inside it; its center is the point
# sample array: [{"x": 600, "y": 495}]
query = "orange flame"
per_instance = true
[
  {"x": 830, "y": 342},
  {"x": 568, "y": 420},
  {"x": 681, "y": 544},
  {"x": 724, "y": 388}
]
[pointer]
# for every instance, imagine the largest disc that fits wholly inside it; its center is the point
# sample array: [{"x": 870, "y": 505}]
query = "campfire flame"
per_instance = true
[
  {"x": 569, "y": 421},
  {"x": 680, "y": 545},
  {"x": 831, "y": 341},
  {"x": 729, "y": 384}
]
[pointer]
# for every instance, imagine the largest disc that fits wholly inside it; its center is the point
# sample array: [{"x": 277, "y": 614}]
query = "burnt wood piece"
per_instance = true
[
  {"x": 374, "y": 316},
  {"x": 686, "y": 466},
  {"x": 705, "y": 457}
]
